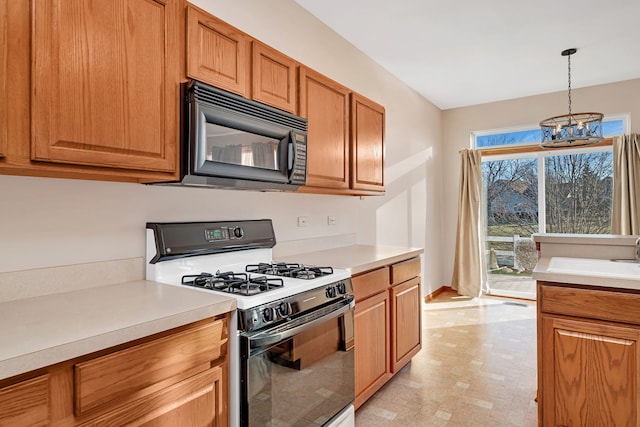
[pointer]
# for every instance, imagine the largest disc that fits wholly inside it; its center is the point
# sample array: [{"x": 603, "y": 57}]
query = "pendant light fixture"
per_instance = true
[{"x": 573, "y": 129}]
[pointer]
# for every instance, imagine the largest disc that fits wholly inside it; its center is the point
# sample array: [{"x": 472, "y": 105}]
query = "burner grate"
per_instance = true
[
  {"x": 233, "y": 283},
  {"x": 297, "y": 271}
]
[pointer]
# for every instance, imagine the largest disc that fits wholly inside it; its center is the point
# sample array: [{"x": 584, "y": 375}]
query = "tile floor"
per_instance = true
[{"x": 477, "y": 367}]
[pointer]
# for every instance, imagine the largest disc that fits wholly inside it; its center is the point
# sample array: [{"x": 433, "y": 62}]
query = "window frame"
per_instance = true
[{"x": 528, "y": 150}]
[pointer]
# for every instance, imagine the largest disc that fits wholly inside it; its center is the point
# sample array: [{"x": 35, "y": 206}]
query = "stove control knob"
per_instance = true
[
  {"x": 238, "y": 232},
  {"x": 284, "y": 309},
  {"x": 269, "y": 314},
  {"x": 342, "y": 288},
  {"x": 330, "y": 291}
]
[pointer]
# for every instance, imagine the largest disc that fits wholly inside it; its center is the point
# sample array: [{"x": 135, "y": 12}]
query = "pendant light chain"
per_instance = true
[
  {"x": 569, "y": 68},
  {"x": 571, "y": 130}
]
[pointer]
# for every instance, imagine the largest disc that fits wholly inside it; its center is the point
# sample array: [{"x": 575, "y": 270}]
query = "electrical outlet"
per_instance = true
[
  {"x": 302, "y": 221},
  {"x": 331, "y": 220}
]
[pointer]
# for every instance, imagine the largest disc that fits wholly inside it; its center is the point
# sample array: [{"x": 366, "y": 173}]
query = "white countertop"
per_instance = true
[
  {"x": 585, "y": 271},
  {"x": 356, "y": 258},
  {"x": 44, "y": 330}
]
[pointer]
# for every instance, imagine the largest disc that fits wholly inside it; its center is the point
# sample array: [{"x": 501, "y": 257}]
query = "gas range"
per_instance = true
[
  {"x": 235, "y": 258},
  {"x": 289, "y": 317}
]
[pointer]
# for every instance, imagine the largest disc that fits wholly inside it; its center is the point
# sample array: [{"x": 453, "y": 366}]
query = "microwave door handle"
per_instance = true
[
  {"x": 266, "y": 338},
  {"x": 292, "y": 151}
]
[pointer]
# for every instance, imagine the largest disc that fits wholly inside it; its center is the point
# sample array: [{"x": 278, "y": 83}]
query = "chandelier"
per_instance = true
[{"x": 573, "y": 129}]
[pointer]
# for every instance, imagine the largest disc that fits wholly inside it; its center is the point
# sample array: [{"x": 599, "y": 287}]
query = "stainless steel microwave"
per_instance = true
[{"x": 233, "y": 142}]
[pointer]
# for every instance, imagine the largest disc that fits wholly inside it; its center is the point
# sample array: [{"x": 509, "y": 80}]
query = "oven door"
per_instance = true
[{"x": 299, "y": 373}]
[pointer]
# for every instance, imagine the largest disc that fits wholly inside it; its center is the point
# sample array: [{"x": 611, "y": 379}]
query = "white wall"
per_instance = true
[
  {"x": 48, "y": 222},
  {"x": 458, "y": 123}
]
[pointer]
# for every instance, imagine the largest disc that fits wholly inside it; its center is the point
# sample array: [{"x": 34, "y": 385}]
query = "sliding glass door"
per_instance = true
[{"x": 511, "y": 216}]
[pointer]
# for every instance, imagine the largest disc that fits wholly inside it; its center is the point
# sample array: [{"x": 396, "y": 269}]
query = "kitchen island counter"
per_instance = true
[
  {"x": 45, "y": 330},
  {"x": 355, "y": 258}
]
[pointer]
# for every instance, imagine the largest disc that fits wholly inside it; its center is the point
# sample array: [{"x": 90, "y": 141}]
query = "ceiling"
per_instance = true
[{"x": 465, "y": 52}]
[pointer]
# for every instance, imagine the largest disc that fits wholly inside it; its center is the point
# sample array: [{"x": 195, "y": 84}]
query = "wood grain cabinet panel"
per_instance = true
[
  {"x": 273, "y": 77},
  {"x": 370, "y": 283},
  {"x": 325, "y": 104},
  {"x": 4, "y": 47},
  {"x": 371, "y": 334},
  {"x": 406, "y": 323},
  {"x": 105, "y": 83},
  {"x": 367, "y": 144},
  {"x": 217, "y": 53},
  {"x": 25, "y": 403},
  {"x": 405, "y": 270},
  {"x": 196, "y": 401},
  {"x": 590, "y": 374},
  {"x": 127, "y": 372}
]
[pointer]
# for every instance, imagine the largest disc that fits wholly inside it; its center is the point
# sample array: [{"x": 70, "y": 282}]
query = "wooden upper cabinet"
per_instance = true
[
  {"x": 4, "y": 44},
  {"x": 325, "y": 104},
  {"x": 105, "y": 83},
  {"x": 367, "y": 144},
  {"x": 217, "y": 53},
  {"x": 273, "y": 77}
]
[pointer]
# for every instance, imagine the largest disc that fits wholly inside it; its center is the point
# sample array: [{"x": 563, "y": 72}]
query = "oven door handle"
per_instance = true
[{"x": 270, "y": 337}]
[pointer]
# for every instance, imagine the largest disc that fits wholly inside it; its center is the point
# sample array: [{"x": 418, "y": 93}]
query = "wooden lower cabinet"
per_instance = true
[
  {"x": 406, "y": 324},
  {"x": 196, "y": 401},
  {"x": 588, "y": 368},
  {"x": 25, "y": 403},
  {"x": 387, "y": 326},
  {"x": 179, "y": 377},
  {"x": 371, "y": 334}
]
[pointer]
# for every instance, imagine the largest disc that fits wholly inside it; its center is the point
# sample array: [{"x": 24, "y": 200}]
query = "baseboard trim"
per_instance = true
[{"x": 437, "y": 292}]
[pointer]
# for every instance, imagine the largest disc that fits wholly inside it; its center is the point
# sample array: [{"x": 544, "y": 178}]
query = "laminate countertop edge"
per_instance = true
[
  {"x": 45, "y": 330},
  {"x": 355, "y": 258}
]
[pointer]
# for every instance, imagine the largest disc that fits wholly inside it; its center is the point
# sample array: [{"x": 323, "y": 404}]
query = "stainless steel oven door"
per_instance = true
[{"x": 299, "y": 373}]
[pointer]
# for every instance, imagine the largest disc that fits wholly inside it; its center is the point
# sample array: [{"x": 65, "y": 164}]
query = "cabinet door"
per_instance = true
[
  {"x": 4, "y": 45},
  {"x": 371, "y": 335},
  {"x": 106, "y": 83},
  {"x": 25, "y": 403},
  {"x": 367, "y": 144},
  {"x": 273, "y": 77},
  {"x": 201, "y": 400},
  {"x": 406, "y": 323},
  {"x": 325, "y": 104},
  {"x": 589, "y": 373},
  {"x": 217, "y": 53}
]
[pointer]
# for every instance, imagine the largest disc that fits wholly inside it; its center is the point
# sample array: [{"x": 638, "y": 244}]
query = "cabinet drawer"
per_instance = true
[
  {"x": 130, "y": 371},
  {"x": 196, "y": 401},
  {"x": 370, "y": 283},
  {"x": 590, "y": 303},
  {"x": 25, "y": 403},
  {"x": 405, "y": 270}
]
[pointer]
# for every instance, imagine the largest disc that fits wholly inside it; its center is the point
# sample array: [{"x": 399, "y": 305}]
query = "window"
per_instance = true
[{"x": 533, "y": 190}]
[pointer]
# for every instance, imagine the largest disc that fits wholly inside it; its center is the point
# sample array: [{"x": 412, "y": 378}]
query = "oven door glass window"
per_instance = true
[{"x": 300, "y": 381}]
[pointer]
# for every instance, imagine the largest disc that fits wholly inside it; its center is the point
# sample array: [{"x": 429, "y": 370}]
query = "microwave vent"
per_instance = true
[{"x": 218, "y": 98}]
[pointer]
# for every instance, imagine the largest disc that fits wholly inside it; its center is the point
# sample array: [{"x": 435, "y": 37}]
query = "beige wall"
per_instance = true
[
  {"x": 54, "y": 222},
  {"x": 458, "y": 123}
]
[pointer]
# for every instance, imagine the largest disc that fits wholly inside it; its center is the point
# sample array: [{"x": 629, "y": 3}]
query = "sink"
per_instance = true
[{"x": 628, "y": 269}]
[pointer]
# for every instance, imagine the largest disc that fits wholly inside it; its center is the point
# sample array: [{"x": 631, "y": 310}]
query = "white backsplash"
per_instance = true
[{"x": 16, "y": 285}]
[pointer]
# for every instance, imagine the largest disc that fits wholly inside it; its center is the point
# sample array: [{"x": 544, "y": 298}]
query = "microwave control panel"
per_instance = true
[{"x": 299, "y": 159}]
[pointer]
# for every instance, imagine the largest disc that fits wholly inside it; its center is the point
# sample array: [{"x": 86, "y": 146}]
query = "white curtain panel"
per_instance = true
[
  {"x": 469, "y": 268},
  {"x": 625, "y": 213}
]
